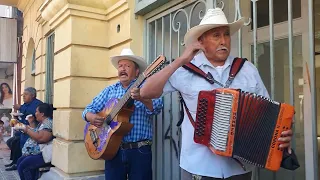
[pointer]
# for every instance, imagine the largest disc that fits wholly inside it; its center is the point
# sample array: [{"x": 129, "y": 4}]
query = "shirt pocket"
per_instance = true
[{"x": 194, "y": 86}]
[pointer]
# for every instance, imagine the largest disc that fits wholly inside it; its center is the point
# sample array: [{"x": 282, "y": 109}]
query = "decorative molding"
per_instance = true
[
  {"x": 52, "y": 8},
  {"x": 22, "y": 4},
  {"x": 117, "y": 9},
  {"x": 40, "y": 20},
  {"x": 55, "y": 11}
]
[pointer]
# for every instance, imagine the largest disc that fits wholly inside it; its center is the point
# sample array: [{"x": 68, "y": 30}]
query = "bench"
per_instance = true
[{"x": 45, "y": 168}]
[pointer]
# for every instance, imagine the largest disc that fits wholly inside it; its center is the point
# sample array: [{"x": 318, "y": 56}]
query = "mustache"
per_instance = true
[
  {"x": 123, "y": 73},
  {"x": 222, "y": 48}
]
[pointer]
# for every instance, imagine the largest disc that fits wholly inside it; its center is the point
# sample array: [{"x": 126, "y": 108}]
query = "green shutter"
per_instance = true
[{"x": 49, "y": 69}]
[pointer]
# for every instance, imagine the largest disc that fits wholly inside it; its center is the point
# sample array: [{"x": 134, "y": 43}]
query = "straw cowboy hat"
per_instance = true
[
  {"x": 128, "y": 55},
  {"x": 212, "y": 19}
]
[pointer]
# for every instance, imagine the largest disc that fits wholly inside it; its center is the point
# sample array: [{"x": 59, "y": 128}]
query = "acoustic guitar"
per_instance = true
[{"x": 104, "y": 142}]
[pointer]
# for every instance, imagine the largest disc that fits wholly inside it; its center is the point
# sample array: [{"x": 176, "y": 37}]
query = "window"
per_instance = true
[
  {"x": 280, "y": 11},
  {"x": 144, "y": 6},
  {"x": 282, "y": 92},
  {"x": 33, "y": 64},
  {"x": 49, "y": 69}
]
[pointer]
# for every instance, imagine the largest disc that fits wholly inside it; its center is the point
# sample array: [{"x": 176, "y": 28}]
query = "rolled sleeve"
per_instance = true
[
  {"x": 157, "y": 106},
  {"x": 97, "y": 103},
  {"x": 84, "y": 113}
]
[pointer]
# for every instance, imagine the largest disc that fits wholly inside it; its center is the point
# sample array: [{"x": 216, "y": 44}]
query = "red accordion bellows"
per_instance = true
[{"x": 242, "y": 125}]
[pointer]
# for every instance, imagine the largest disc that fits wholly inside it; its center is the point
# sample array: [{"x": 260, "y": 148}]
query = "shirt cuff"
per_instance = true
[
  {"x": 84, "y": 113},
  {"x": 156, "y": 108}
]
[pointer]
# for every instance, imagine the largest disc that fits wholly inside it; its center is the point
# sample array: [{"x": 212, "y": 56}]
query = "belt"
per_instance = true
[{"x": 134, "y": 145}]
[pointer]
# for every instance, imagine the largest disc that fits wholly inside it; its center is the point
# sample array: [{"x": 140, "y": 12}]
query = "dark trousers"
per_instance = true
[
  {"x": 136, "y": 164},
  {"x": 14, "y": 145},
  {"x": 28, "y": 166},
  {"x": 188, "y": 176}
]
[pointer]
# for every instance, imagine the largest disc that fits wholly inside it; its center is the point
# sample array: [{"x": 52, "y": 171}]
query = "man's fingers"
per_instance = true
[
  {"x": 99, "y": 118},
  {"x": 285, "y": 145},
  {"x": 285, "y": 139},
  {"x": 98, "y": 123},
  {"x": 287, "y": 133}
]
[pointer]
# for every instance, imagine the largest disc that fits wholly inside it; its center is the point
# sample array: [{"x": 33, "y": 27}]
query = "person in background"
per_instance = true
[
  {"x": 2, "y": 130},
  {"x": 6, "y": 95},
  {"x": 40, "y": 133},
  {"x": 29, "y": 107}
]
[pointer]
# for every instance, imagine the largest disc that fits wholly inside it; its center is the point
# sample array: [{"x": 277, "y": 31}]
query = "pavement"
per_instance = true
[{"x": 5, "y": 159}]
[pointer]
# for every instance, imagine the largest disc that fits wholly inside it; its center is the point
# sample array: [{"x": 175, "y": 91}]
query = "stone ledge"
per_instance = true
[
  {"x": 57, "y": 174},
  {"x": 50, "y": 8},
  {"x": 72, "y": 157}
]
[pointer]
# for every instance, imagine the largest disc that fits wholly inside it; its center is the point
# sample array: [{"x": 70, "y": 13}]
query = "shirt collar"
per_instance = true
[
  {"x": 30, "y": 102},
  {"x": 201, "y": 60},
  {"x": 120, "y": 85}
]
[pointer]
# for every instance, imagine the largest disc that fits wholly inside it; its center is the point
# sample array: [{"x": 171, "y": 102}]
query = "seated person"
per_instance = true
[
  {"x": 37, "y": 150},
  {"x": 2, "y": 131},
  {"x": 29, "y": 107}
]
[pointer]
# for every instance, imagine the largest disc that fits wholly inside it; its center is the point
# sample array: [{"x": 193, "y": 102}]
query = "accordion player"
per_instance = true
[{"x": 242, "y": 125}]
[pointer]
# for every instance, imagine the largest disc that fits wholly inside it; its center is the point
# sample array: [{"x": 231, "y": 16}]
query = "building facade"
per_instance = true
[{"x": 67, "y": 45}]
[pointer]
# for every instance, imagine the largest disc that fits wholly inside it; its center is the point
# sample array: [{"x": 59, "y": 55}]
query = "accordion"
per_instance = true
[{"x": 242, "y": 125}]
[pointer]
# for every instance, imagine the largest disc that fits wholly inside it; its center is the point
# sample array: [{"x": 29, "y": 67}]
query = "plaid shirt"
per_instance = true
[{"x": 140, "y": 118}]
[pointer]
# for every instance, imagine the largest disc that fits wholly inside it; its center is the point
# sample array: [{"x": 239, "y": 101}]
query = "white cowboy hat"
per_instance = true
[
  {"x": 128, "y": 55},
  {"x": 212, "y": 19}
]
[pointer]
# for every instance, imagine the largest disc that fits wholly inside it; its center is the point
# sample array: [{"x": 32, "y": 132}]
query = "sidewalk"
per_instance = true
[{"x": 5, "y": 159}]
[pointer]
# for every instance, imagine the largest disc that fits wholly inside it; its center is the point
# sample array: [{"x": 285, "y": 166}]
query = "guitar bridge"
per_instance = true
[{"x": 94, "y": 137}]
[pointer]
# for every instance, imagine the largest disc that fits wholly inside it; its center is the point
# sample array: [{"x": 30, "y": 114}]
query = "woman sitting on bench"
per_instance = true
[{"x": 37, "y": 151}]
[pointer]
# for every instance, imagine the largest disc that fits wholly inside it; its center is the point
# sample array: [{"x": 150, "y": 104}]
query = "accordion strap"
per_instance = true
[
  {"x": 235, "y": 68},
  {"x": 207, "y": 76},
  {"x": 183, "y": 103}
]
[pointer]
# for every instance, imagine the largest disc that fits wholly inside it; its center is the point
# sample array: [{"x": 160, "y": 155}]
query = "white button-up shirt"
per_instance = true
[{"x": 196, "y": 158}]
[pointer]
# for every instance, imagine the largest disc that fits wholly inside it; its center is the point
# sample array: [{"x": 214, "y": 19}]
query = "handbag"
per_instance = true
[{"x": 46, "y": 150}]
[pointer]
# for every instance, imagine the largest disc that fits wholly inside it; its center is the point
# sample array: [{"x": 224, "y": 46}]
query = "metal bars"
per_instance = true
[
  {"x": 271, "y": 31},
  {"x": 255, "y": 57},
  {"x": 312, "y": 167},
  {"x": 291, "y": 68}
]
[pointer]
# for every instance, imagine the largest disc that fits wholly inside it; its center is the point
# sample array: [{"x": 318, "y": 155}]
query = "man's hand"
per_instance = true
[
  {"x": 95, "y": 119},
  {"x": 190, "y": 51},
  {"x": 285, "y": 140},
  {"x": 135, "y": 94},
  {"x": 16, "y": 106}
]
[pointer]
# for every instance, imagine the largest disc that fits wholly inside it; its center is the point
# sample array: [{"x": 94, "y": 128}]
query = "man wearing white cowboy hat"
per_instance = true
[
  {"x": 131, "y": 160},
  {"x": 208, "y": 48}
]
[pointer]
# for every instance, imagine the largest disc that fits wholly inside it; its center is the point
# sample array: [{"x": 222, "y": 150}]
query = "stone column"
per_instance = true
[{"x": 87, "y": 33}]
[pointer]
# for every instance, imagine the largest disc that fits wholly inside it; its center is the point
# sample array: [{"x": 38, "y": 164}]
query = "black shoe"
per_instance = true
[
  {"x": 8, "y": 165},
  {"x": 13, "y": 167}
]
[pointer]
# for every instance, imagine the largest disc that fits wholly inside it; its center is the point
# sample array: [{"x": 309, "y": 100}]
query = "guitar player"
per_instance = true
[{"x": 134, "y": 158}]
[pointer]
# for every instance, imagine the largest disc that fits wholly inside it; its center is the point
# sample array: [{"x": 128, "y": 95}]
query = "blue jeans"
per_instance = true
[
  {"x": 136, "y": 164},
  {"x": 28, "y": 166}
]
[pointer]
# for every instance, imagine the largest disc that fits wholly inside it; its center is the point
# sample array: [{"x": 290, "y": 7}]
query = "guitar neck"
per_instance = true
[{"x": 127, "y": 96}]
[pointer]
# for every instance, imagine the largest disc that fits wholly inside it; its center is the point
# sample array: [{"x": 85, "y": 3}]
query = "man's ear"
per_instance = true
[
  {"x": 200, "y": 39},
  {"x": 137, "y": 72}
]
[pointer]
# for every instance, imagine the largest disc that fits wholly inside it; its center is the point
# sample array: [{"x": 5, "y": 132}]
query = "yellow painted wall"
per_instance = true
[
  {"x": 86, "y": 35},
  {"x": 33, "y": 38}
]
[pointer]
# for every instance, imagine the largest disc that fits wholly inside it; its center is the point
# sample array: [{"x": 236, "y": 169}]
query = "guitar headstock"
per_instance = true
[{"x": 155, "y": 66}]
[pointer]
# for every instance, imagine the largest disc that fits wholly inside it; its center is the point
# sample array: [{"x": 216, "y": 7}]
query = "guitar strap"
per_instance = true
[{"x": 235, "y": 68}]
